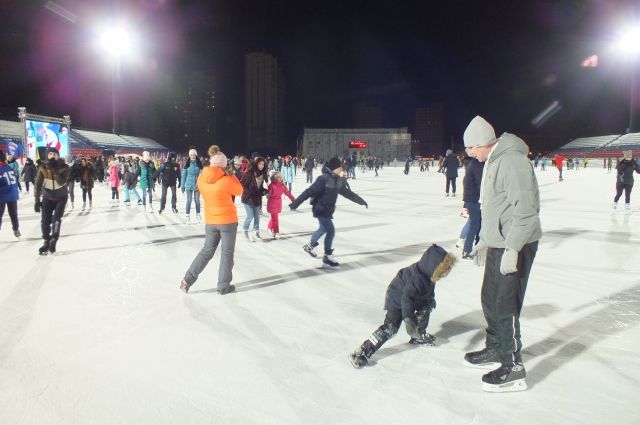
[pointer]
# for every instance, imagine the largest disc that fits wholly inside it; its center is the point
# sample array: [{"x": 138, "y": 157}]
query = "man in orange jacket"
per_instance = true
[{"x": 217, "y": 185}]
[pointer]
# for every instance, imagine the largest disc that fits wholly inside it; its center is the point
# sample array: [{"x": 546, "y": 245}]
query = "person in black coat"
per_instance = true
[
  {"x": 410, "y": 298},
  {"x": 324, "y": 193},
  {"x": 169, "y": 174},
  {"x": 29, "y": 173},
  {"x": 624, "y": 179},
  {"x": 471, "y": 197},
  {"x": 451, "y": 164},
  {"x": 309, "y": 165}
]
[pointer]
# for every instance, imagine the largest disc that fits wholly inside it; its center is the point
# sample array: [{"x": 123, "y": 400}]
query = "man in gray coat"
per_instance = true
[{"x": 508, "y": 243}]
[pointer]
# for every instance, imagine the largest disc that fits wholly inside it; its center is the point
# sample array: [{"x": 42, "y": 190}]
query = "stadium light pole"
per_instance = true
[
  {"x": 629, "y": 44},
  {"x": 116, "y": 42}
]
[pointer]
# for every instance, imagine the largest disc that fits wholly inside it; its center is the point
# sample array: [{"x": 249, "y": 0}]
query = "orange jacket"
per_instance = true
[{"x": 217, "y": 190}]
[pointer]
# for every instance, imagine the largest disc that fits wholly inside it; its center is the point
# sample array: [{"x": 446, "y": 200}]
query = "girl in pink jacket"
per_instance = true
[
  {"x": 114, "y": 181},
  {"x": 274, "y": 204}
]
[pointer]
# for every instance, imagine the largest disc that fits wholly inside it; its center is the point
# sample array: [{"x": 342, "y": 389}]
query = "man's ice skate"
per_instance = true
[
  {"x": 425, "y": 339},
  {"x": 311, "y": 250},
  {"x": 330, "y": 263},
  {"x": 52, "y": 245},
  {"x": 506, "y": 378},
  {"x": 44, "y": 249},
  {"x": 17, "y": 233},
  {"x": 486, "y": 358},
  {"x": 358, "y": 359}
]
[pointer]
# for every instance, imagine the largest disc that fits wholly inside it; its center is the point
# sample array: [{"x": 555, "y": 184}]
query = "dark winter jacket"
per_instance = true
[
  {"x": 625, "y": 168},
  {"x": 74, "y": 174},
  {"x": 8, "y": 183},
  {"x": 168, "y": 174},
  {"x": 472, "y": 180},
  {"x": 86, "y": 175},
  {"x": 252, "y": 194},
  {"x": 309, "y": 164},
  {"x": 129, "y": 180},
  {"x": 29, "y": 172},
  {"x": 412, "y": 288},
  {"x": 451, "y": 164},
  {"x": 51, "y": 182},
  {"x": 324, "y": 193}
]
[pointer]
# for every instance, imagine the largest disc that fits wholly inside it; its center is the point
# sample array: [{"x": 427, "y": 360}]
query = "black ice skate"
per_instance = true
[
  {"x": 17, "y": 233},
  {"x": 330, "y": 263},
  {"x": 52, "y": 245},
  {"x": 486, "y": 358},
  {"x": 358, "y": 359},
  {"x": 425, "y": 339},
  {"x": 311, "y": 250},
  {"x": 507, "y": 378},
  {"x": 44, "y": 249}
]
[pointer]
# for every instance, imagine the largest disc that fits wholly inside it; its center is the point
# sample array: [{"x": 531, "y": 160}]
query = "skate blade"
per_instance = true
[
  {"x": 513, "y": 386},
  {"x": 328, "y": 267},
  {"x": 488, "y": 366}
]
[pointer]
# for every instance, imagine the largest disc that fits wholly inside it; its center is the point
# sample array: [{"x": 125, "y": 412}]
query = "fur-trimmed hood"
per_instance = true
[{"x": 436, "y": 263}]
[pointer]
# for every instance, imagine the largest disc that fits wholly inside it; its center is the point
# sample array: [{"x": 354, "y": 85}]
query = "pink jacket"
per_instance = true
[
  {"x": 276, "y": 189},
  {"x": 114, "y": 178}
]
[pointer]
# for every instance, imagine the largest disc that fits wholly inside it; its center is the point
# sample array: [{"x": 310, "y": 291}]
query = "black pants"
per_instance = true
[
  {"x": 115, "y": 194},
  {"x": 502, "y": 299},
  {"x": 26, "y": 183},
  {"x": 163, "y": 199},
  {"x": 52, "y": 212},
  {"x": 86, "y": 191},
  {"x": 451, "y": 181},
  {"x": 310, "y": 176},
  {"x": 627, "y": 192},
  {"x": 12, "y": 206},
  {"x": 389, "y": 328}
]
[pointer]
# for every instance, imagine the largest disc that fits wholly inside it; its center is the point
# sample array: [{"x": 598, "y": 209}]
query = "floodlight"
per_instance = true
[
  {"x": 117, "y": 41},
  {"x": 630, "y": 41}
]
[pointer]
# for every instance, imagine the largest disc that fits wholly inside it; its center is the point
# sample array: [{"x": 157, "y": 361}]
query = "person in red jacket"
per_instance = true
[
  {"x": 559, "y": 159},
  {"x": 274, "y": 204}
]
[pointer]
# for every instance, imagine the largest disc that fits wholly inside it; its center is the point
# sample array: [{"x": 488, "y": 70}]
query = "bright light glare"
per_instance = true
[
  {"x": 117, "y": 41},
  {"x": 630, "y": 41}
]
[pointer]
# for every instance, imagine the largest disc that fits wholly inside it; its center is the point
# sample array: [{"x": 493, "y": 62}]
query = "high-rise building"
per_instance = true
[
  {"x": 429, "y": 129},
  {"x": 264, "y": 102},
  {"x": 194, "y": 109},
  {"x": 367, "y": 116}
]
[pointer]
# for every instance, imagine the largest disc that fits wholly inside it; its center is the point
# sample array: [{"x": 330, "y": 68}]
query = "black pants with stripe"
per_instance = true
[{"x": 502, "y": 299}]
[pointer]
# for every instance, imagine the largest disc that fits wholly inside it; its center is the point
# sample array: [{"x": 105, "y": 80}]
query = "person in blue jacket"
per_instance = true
[
  {"x": 190, "y": 172},
  {"x": 410, "y": 298},
  {"x": 324, "y": 193},
  {"x": 9, "y": 193}
]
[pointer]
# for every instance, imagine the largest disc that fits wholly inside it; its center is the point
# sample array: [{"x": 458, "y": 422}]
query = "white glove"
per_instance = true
[
  {"x": 479, "y": 253},
  {"x": 509, "y": 263}
]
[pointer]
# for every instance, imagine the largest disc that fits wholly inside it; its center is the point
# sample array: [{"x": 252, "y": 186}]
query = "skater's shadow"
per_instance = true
[{"x": 616, "y": 313}]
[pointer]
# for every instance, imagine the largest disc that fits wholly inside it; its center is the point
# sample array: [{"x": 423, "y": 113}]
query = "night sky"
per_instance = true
[{"x": 505, "y": 60}]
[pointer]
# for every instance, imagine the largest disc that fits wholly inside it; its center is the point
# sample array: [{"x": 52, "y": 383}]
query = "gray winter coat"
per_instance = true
[{"x": 510, "y": 197}]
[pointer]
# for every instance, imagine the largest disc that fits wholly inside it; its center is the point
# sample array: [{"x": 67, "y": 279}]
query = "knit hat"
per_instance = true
[
  {"x": 627, "y": 154},
  {"x": 218, "y": 160},
  {"x": 334, "y": 163},
  {"x": 449, "y": 152},
  {"x": 54, "y": 150},
  {"x": 193, "y": 152},
  {"x": 145, "y": 156},
  {"x": 479, "y": 133},
  {"x": 3, "y": 156}
]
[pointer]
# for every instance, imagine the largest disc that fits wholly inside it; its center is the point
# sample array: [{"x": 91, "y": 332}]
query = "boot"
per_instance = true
[
  {"x": 17, "y": 233},
  {"x": 52, "y": 245},
  {"x": 44, "y": 249},
  {"x": 506, "y": 378},
  {"x": 329, "y": 261}
]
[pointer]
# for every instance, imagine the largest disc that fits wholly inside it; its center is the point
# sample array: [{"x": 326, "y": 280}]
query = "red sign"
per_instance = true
[{"x": 357, "y": 144}]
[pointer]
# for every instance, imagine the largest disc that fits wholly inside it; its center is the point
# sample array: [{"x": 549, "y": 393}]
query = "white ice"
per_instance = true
[{"x": 100, "y": 334}]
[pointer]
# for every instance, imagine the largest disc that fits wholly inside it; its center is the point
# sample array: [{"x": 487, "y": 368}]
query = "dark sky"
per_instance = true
[{"x": 505, "y": 60}]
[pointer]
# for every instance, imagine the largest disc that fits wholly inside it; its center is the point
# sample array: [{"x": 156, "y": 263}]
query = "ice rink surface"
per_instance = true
[{"x": 100, "y": 334}]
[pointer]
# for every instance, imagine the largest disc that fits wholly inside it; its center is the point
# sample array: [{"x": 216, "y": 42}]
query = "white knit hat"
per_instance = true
[
  {"x": 479, "y": 133},
  {"x": 145, "y": 156},
  {"x": 219, "y": 160},
  {"x": 193, "y": 152},
  {"x": 627, "y": 154}
]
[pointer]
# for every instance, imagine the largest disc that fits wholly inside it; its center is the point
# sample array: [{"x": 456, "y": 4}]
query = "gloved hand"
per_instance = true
[
  {"x": 479, "y": 253},
  {"x": 412, "y": 328},
  {"x": 509, "y": 262},
  {"x": 36, "y": 206},
  {"x": 293, "y": 208}
]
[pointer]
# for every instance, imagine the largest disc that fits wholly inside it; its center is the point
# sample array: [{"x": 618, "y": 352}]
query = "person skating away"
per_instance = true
[
  {"x": 74, "y": 177},
  {"x": 450, "y": 165},
  {"x": 169, "y": 174},
  {"x": 114, "y": 181},
  {"x": 29, "y": 173},
  {"x": 277, "y": 188},
  {"x": 410, "y": 298},
  {"x": 87, "y": 175},
  {"x": 190, "y": 172},
  {"x": 624, "y": 180},
  {"x": 218, "y": 184},
  {"x": 407, "y": 166},
  {"x": 9, "y": 193},
  {"x": 130, "y": 181},
  {"x": 254, "y": 187},
  {"x": 147, "y": 182},
  {"x": 471, "y": 197},
  {"x": 51, "y": 196},
  {"x": 559, "y": 159},
  {"x": 507, "y": 248},
  {"x": 324, "y": 193}
]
